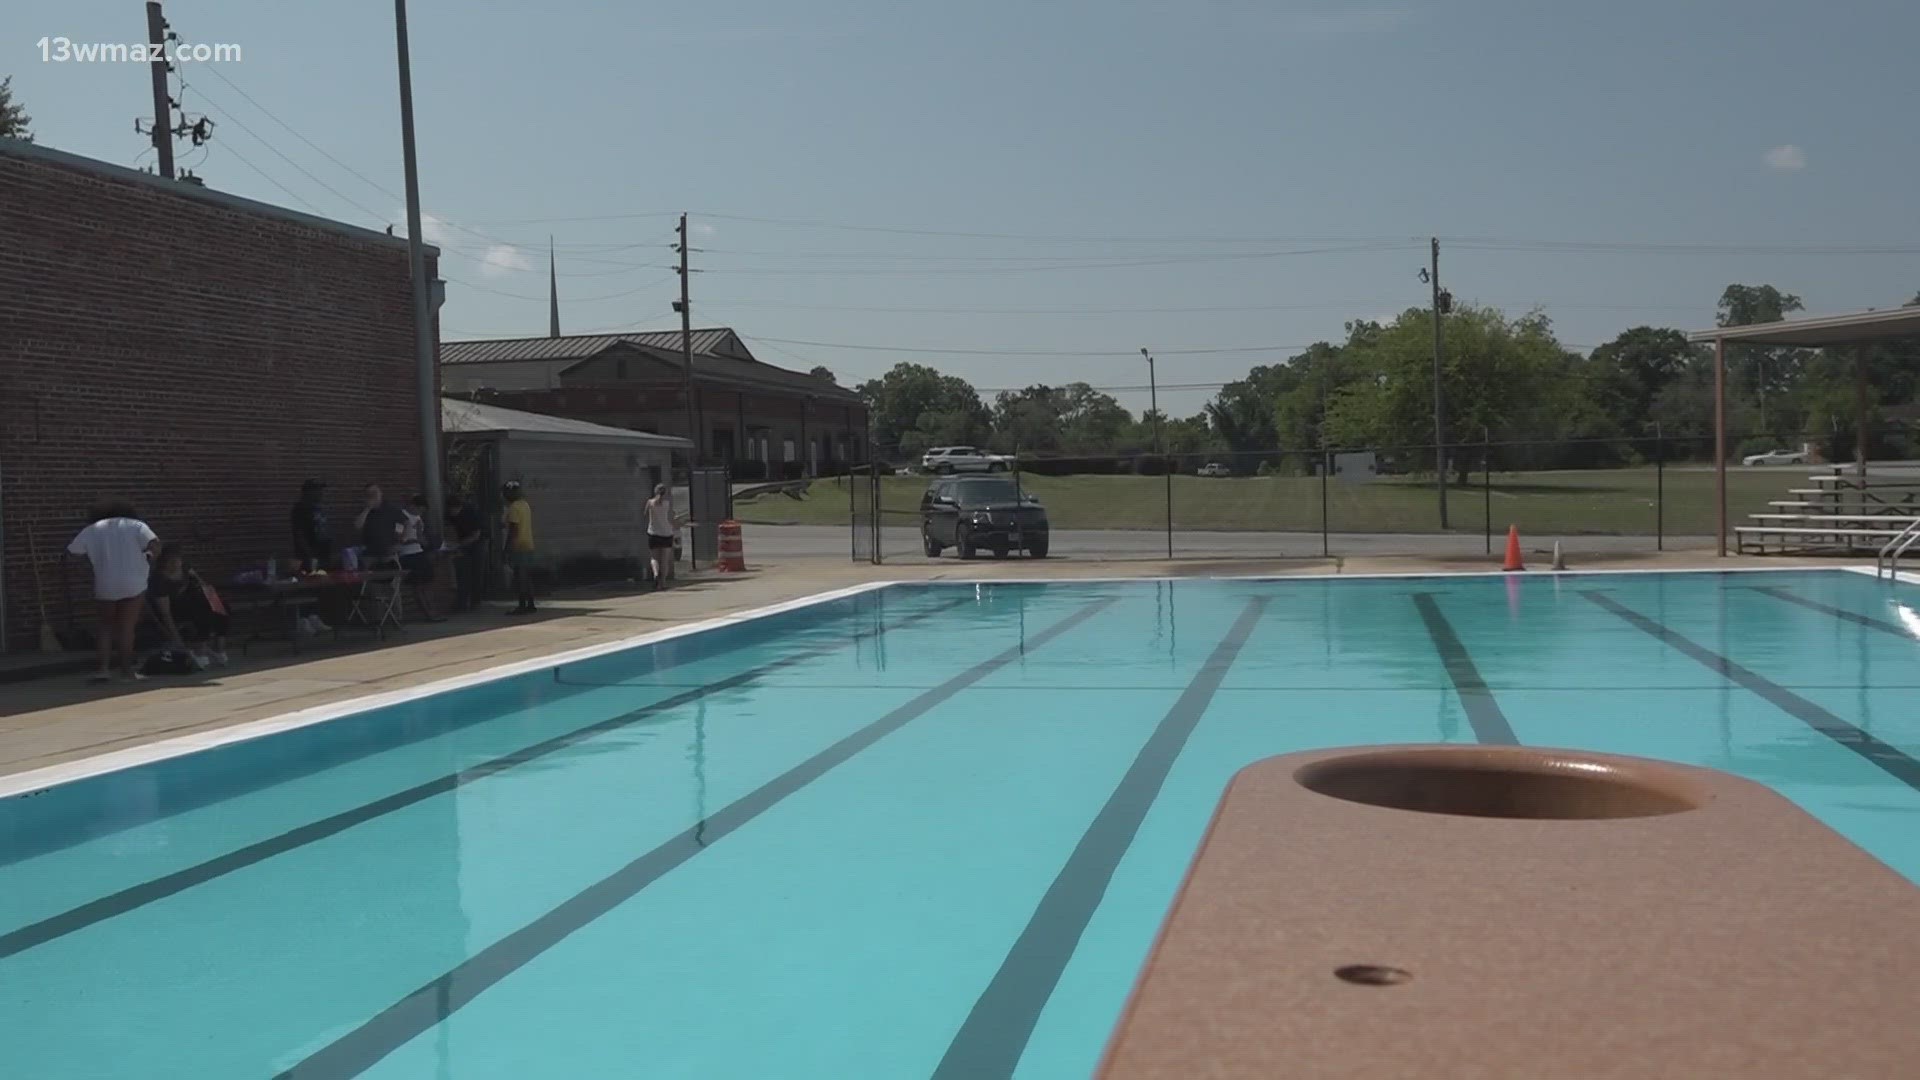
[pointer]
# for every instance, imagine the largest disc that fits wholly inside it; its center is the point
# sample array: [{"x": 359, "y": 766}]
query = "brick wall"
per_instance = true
[{"x": 194, "y": 353}]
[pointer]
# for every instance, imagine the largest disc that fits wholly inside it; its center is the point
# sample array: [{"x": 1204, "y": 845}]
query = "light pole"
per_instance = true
[
  {"x": 424, "y": 359},
  {"x": 1160, "y": 444}
]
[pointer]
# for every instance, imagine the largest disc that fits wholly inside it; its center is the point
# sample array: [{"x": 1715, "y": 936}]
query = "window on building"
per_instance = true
[
  {"x": 788, "y": 446},
  {"x": 620, "y": 368}
]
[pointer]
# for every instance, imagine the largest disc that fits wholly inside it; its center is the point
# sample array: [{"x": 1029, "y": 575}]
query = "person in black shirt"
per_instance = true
[
  {"x": 312, "y": 539},
  {"x": 470, "y": 559},
  {"x": 382, "y": 525},
  {"x": 179, "y": 598}
]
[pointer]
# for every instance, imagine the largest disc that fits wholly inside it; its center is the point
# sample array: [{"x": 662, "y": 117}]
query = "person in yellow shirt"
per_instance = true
[{"x": 518, "y": 519}]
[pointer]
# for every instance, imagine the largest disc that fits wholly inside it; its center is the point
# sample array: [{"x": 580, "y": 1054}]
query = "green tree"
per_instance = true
[
  {"x": 1628, "y": 374},
  {"x": 13, "y": 116},
  {"x": 1502, "y": 379},
  {"x": 824, "y": 374},
  {"x": 1074, "y": 417},
  {"x": 1765, "y": 375},
  {"x": 914, "y": 398}
]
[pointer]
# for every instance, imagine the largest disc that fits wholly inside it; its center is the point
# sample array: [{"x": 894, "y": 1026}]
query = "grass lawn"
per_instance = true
[{"x": 1613, "y": 501}]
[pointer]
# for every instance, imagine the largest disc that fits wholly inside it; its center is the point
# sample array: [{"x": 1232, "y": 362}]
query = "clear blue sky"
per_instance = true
[{"x": 1152, "y": 133}]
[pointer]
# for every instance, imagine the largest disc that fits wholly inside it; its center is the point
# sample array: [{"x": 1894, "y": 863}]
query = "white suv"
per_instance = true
[{"x": 958, "y": 459}]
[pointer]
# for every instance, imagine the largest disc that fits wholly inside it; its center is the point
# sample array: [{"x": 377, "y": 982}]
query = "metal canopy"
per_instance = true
[{"x": 1859, "y": 328}]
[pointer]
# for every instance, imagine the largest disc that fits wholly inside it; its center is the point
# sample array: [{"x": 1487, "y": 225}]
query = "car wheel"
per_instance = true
[
  {"x": 1000, "y": 551},
  {"x": 943, "y": 469},
  {"x": 1037, "y": 549},
  {"x": 996, "y": 466},
  {"x": 964, "y": 544},
  {"x": 932, "y": 546}
]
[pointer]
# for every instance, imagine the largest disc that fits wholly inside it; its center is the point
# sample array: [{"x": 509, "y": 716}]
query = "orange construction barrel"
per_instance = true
[{"x": 733, "y": 558}]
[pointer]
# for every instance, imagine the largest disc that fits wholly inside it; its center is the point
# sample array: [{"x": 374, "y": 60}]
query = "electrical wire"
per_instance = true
[{"x": 643, "y": 287}]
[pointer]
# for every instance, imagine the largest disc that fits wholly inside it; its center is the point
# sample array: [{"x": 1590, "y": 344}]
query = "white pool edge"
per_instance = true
[
  {"x": 41, "y": 779},
  {"x": 37, "y": 780}
]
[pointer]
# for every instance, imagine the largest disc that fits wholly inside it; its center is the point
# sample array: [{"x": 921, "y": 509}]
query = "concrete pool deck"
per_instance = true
[{"x": 59, "y": 719}]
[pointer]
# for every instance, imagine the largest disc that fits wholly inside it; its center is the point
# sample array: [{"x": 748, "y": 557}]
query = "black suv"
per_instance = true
[{"x": 975, "y": 512}]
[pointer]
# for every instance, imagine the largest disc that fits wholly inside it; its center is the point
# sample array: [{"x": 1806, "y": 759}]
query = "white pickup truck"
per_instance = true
[{"x": 958, "y": 459}]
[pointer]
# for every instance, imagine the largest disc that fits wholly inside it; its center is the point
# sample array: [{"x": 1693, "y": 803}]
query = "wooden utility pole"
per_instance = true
[
  {"x": 162, "y": 101},
  {"x": 1439, "y": 410},
  {"x": 685, "y": 307}
]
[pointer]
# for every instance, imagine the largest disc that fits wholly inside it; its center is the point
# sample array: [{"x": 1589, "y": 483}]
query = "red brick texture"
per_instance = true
[{"x": 196, "y": 357}]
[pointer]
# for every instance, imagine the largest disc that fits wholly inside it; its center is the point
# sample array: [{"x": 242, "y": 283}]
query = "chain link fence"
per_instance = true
[{"x": 1594, "y": 497}]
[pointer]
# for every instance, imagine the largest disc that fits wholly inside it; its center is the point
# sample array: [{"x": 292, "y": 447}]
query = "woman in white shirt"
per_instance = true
[
  {"x": 660, "y": 530},
  {"x": 119, "y": 546}
]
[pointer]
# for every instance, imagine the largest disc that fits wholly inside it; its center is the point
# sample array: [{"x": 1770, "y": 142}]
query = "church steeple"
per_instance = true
[{"x": 553, "y": 290}]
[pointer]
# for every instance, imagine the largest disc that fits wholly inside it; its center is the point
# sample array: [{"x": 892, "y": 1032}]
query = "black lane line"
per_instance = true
[
  {"x": 996, "y": 1032},
  {"x": 1893, "y": 761},
  {"x": 135, "y": 896},
  {"x": 360, "y": 1049},
  {"x": 1483, "y": 712},
  {"x": 1868, "y": 621}
]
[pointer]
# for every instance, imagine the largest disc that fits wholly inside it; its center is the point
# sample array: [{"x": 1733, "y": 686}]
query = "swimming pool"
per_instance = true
[{"x": 926, "y": 830}]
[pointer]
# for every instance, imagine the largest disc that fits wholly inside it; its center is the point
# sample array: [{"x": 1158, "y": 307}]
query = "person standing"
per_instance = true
[
  {"x": 416, "y": 553},
  {"x": 119, "y": 546},
  {"x": 518, "y": 520},
  {"x": 660, "y": 530},
  {"x": 469, "y": 543}
]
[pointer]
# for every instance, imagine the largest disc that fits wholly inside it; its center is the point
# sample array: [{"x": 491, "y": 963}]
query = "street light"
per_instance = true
[{"x": 1160, "y": 445}]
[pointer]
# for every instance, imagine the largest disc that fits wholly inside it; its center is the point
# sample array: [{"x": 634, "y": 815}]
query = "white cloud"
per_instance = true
[
  {"x": 433, "y": 230},
  {"x": 701, "y": 228},
  {"x": 1785, "y": 158},
  {"x": 501, "y": 259}
]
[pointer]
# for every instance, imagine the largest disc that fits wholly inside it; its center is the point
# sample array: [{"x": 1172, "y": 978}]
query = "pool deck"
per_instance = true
[{"x": 59, "y": 719}]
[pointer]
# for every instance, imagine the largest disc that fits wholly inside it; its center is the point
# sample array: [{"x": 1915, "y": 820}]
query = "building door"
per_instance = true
[{"x": 813, "y": 456}]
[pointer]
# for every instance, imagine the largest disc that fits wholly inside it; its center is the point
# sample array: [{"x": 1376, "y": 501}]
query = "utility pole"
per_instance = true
[
  {"x": 685, "y": 307},
  {"x": 162, "y": 101},
  {"x": 1439, "y": 408},
  {"x": 1160, "y": 444},
  {"x": 425, "y": 363}
]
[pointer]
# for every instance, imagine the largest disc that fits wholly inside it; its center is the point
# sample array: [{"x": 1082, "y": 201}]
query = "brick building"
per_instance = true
[
  {"x": 783, "y": 422},
  {"x": 192, "y": 351}
]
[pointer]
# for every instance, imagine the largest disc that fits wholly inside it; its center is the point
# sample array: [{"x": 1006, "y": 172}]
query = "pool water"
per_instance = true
[{"x": 925, "y": 831}]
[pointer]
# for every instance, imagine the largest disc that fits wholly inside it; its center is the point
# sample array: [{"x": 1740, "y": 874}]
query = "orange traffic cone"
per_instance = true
[{"x": 1513, "y": 550}]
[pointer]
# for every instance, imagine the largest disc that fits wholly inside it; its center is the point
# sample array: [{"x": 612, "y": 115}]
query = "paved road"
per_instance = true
[{"x": 903, "y": 544}]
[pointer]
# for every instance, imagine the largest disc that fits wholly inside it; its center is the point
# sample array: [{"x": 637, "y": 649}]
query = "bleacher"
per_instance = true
[{"x": 1843, "y": 513}]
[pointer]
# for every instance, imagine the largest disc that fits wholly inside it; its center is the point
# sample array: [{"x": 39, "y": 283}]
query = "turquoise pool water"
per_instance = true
[{"x": 924, "y": 831}]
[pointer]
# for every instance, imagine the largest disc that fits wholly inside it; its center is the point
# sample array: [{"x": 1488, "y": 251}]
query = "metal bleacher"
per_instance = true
[{"x": 1842, "y": 513}]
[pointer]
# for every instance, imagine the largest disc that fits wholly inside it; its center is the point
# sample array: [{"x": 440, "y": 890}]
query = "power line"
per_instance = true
[
  {"x": 264, "y": 175},
  {"x": 636, "y": 290},
  {"x": 377, "y": 217}
]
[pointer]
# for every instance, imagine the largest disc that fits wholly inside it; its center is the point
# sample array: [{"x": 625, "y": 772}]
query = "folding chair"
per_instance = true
[{"x": 378, "y": 602}]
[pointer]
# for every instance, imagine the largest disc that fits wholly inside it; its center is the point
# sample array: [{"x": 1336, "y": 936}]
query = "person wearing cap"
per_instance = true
[
  {"x": 518, "y": 521},
  {"x": 312, "y": 539}
]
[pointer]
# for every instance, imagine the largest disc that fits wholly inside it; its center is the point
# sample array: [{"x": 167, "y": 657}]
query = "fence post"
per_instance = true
[
  {"x": 1659, "y": 490},
  {"x": 1326, "y": 467},
  {"x": 1486, "y": 482}
]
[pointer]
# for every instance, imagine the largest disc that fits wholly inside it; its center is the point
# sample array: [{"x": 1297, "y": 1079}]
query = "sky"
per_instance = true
[{"x": 1043, "y": 189}]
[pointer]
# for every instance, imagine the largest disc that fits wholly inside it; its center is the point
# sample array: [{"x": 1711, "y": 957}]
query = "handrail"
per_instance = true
[{"x": 1888, "y": 564}]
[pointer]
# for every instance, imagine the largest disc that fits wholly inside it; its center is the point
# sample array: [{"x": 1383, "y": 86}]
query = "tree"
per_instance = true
[
  {"x": 1628, "y": 374},
  {"x": 13, "y": 116},
  {"x": 1071, "y": 417},
  {"x": 1502, "y": 379},
  {"x": 824, "y": 374},
  {"x": 1771, "y": 373},
  {"x": 914, "y": 398}
]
